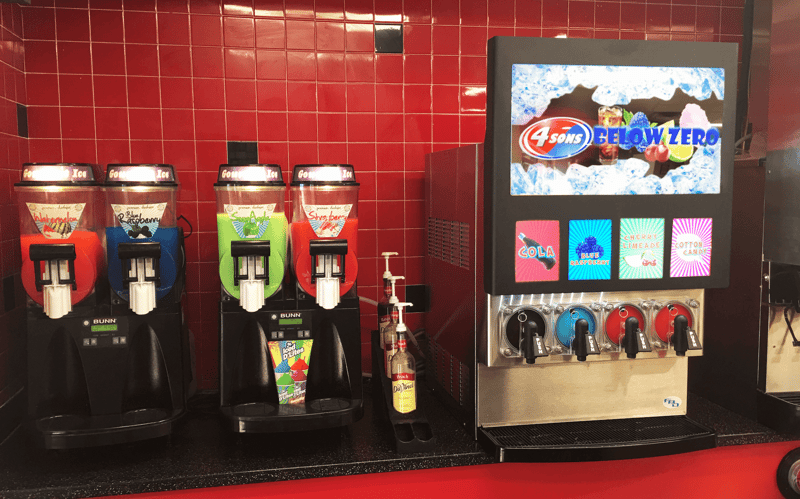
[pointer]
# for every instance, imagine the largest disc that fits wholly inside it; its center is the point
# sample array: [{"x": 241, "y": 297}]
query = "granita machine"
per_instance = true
[
  {"x": 252, "y": 239},
  {"x": 98, "y": 373},
  {"x": 567, "y": 257},
  {"x": 291, "y": 353}
]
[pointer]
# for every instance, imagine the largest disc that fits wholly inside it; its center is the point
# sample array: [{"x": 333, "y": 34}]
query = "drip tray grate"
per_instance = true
[{"x": 596, "y": 440}]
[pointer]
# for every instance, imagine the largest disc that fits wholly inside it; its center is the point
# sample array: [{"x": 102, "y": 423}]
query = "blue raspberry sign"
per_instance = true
[{"x": 590, "y": 250}]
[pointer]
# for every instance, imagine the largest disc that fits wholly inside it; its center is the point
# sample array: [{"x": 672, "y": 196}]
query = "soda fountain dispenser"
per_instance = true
[
  {"x": 568, "y": 256},
  {"x": 252, "y": 239}
]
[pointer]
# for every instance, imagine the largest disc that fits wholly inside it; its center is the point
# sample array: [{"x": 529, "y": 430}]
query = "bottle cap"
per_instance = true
[
  {"x": 393, "y": 299},
  {"x": 401, "y": 327},
  {"x": 386, "y": 255}
]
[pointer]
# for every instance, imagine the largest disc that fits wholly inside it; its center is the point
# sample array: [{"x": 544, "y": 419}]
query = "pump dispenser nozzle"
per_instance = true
[
  {"x": 386, "y": 255},
  {"x": 401, "y": 326},
  {"x": 393, "y": 299}
]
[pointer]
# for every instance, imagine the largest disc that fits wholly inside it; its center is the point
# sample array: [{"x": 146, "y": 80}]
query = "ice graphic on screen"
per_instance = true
[{"x": 615, "y": 130}]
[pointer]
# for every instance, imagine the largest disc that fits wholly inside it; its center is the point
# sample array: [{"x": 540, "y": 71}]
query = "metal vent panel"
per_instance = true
[{"x": 448, "y": 241}]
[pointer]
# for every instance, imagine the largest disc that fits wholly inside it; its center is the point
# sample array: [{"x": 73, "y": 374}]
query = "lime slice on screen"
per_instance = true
[{"x": 677, "y": 152}]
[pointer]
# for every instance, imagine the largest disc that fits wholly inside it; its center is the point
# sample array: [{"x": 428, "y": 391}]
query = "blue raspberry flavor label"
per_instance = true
[{"x": 589, "y": 250}]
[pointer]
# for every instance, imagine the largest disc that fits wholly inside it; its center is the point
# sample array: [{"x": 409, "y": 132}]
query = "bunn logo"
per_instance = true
[
  {"x": 556, "y": 138},
  {"x": 672, "y": 402}
]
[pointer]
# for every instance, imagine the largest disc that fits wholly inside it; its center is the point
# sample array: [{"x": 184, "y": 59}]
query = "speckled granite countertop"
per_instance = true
[{"x": 200, "y": 453}]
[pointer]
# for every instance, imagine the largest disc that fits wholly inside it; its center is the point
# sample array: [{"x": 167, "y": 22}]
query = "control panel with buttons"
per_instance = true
[{"x": 292, "y": 325}]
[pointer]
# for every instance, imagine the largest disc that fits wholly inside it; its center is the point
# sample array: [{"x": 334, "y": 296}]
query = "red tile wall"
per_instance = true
[
  {"x": 172, "y": 80},
  {"x": 13, "y": 151}
]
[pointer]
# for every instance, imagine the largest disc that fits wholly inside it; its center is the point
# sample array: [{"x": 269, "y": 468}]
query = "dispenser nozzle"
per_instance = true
[
  {"x": 684, "y": 337},
  {"x": 386, "y": 255},
  {"x": 630, "y": 340},
  {"x": 393, "y": 279},
  {"x": 584, "y": 343},
  {"x": 401, "y": 326},
  {"x": 533, "y": 346}
]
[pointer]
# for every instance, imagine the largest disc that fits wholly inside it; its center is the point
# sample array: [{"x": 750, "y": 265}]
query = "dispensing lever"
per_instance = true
[
  {"x": 635, "y": 340},
  {"x": 249, "y": 251},
  {"x": 131, "y": 255},
  {"x": 584, "y": 343},
  {"x": 53, "y": 255},
  {"x": 684, "y": 337},
  {"x": 532, "y": 343},
  {"x": 326, "y": 250}
]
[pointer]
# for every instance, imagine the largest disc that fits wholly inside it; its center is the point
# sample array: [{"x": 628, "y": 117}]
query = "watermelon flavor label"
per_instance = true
[
  {"x": 589, "y": 250},
  {"x": 140, "y": 221},
  {"x": 691, "y": 247},
  {"x": 56, "y": 221},
  {"x": 327, "y": 220},
  {"x": 290, "y": 360},
  {"x": 641, "y": 248},
  {"x": 250, "y": 221},
  {"x": 536, "y": 254}
]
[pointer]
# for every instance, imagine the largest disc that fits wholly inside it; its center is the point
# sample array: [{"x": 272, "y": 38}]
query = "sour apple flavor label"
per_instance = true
[
  {"x": 56, "y": 221},
  {"x": 327, "y": 220},
  {"x": 250, "y": 221}
]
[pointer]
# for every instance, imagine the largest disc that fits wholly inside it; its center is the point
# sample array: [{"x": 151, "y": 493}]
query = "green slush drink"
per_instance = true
[{"x": 275, "y": 233}]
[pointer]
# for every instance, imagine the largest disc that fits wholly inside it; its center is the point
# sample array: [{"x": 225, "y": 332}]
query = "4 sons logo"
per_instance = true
[{"x": 564, "y": 137}]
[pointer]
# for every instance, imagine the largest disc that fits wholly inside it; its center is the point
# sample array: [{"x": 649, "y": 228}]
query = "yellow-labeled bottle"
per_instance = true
[{"x": 404, "y": 371}]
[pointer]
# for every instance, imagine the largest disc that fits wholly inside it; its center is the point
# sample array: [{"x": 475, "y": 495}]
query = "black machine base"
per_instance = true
[
  {"x": 596, "y": 440},
  {"x": 412, "y": 432},
  {"x": 780, "y": 411},
  {"x": 75, "y": 431},
  {"x": 265, "y": 417}
]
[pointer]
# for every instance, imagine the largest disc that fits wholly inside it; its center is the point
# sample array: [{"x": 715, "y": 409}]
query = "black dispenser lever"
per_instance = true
[
  {"x": 129, "y": 252},
  {"x": 257, "y": 248},
  {"x": 635, "y": 341},
  {"x": 684, "y": 338},
  {"x": 51, "y": 254},
  {"x": 532, "y": 343},
  {"x": 584, "y": 343},
  {"x": 319, "y": 247}
]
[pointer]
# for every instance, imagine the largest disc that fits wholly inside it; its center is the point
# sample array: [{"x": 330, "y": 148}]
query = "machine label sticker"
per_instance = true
[
  {"x": 641, "y": 248},
  {"x": 56, "y": 221},
  {"x": 327, "y": 220},
  {"x": 691, "y": 247},
  {"x": 672, "y": 402},
  {"x": 589, "y": 250},
  {"x": 290, "y": 360},
  {"x": 140, "y": 221},
  {"x": 250, "y": 221},
  {"x": 536, "y": 254}
]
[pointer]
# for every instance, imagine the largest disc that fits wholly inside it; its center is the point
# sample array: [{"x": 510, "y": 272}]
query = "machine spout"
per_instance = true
[
  {"x": 630, "y": 341},
  {"x": 532, "y": 343},
  {"x": 57, "y": 296},
  {"x": 142, "y": 292},
  {"x": 327, "y": 286}
]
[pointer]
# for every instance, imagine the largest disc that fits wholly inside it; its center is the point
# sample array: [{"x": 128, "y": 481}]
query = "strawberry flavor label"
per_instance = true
[
  {"x": 56, "y": 221},
  {"x": 327, "y": 220}
]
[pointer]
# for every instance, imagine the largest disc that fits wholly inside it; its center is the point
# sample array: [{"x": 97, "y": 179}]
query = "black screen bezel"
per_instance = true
[{"x": 502, "y": 210}]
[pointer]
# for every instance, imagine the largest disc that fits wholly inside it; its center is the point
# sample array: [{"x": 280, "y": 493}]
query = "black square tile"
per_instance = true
[
  {"x": 22, "y": 120},
  {"x": 242, "y": 153},
  {"x": 389, "y": 38}
]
